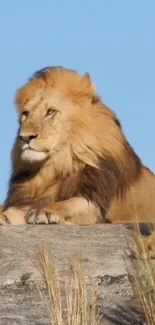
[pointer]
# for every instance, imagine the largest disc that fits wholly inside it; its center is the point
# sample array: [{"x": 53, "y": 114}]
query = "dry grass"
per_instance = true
[
  {"x": 143, "y": 279},
  {"x": 71, "y": 304},
  {"x": 73, "y": 295}
]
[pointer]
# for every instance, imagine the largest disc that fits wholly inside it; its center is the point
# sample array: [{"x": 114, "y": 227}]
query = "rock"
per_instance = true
[{"x": 103, "y": 248}]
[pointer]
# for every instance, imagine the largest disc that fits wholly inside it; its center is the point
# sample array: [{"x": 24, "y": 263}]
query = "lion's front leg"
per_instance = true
[
  {"x": 13, "y": 216},
  {"x": 73, "y": 211}
]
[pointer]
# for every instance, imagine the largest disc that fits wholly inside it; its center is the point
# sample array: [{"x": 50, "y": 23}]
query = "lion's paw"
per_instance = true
[
  {"x": 3, "y": 220},
  {"x": 43, "y": 217}
]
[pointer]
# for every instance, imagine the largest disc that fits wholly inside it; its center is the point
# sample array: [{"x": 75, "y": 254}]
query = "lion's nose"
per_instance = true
[{"x": 27, "y": 138}]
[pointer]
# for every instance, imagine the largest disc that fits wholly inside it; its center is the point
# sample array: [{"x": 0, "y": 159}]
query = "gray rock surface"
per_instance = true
[{"x": 103, "y": 248}]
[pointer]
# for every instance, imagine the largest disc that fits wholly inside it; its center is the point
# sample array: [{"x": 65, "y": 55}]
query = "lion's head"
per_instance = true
[
  {"x": 58, "y": 108},
  {"x": 48, "y": 107}
]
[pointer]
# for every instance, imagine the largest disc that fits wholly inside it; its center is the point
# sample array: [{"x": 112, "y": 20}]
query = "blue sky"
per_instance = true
[{"x": 114, "y": 40}]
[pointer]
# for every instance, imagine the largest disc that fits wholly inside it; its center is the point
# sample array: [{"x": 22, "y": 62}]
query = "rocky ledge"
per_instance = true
[{"x": 105, "y": 250}]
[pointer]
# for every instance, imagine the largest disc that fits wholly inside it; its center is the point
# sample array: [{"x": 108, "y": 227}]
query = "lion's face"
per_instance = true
[
  {"x": 56, "y": 112},
  {"x": 44, "y": 125}
]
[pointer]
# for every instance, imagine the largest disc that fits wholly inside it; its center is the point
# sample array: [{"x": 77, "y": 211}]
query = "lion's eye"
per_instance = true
[
  {"x": 24, "y": 115},
  {"x": 50, "y": 112}
]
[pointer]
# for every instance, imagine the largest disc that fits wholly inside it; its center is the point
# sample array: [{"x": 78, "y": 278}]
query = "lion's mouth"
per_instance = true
[
  {"x": 32, "y": 155},
  {"x": 27, "y": 146}
]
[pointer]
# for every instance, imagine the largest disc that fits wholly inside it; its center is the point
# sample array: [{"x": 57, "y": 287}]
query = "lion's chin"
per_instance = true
[{"x": 32, "y": 156}]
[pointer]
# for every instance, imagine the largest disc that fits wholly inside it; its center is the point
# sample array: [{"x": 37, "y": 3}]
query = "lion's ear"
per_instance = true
[{"x": 88, "y": 85}]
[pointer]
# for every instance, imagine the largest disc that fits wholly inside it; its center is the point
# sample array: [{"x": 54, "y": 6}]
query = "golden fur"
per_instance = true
[{"x": 77, "y": 166}]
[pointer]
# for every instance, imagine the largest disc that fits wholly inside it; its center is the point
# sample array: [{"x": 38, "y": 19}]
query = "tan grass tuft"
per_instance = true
[{"x": 80, "y": 307}]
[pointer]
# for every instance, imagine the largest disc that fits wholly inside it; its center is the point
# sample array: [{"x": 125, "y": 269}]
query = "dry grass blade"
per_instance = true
[
  {"x": 143, "y": 279},
  {"x": 79, "y": 306},
  {"x": 81, "y": 310},
  {"x": 55, "y": 307}
]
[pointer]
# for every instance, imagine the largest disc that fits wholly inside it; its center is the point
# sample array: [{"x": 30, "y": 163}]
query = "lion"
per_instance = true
[{"x": 71, "y": 161}]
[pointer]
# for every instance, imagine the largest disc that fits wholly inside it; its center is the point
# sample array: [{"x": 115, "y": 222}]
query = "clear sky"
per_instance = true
[{"x": 114, "y": 40}]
